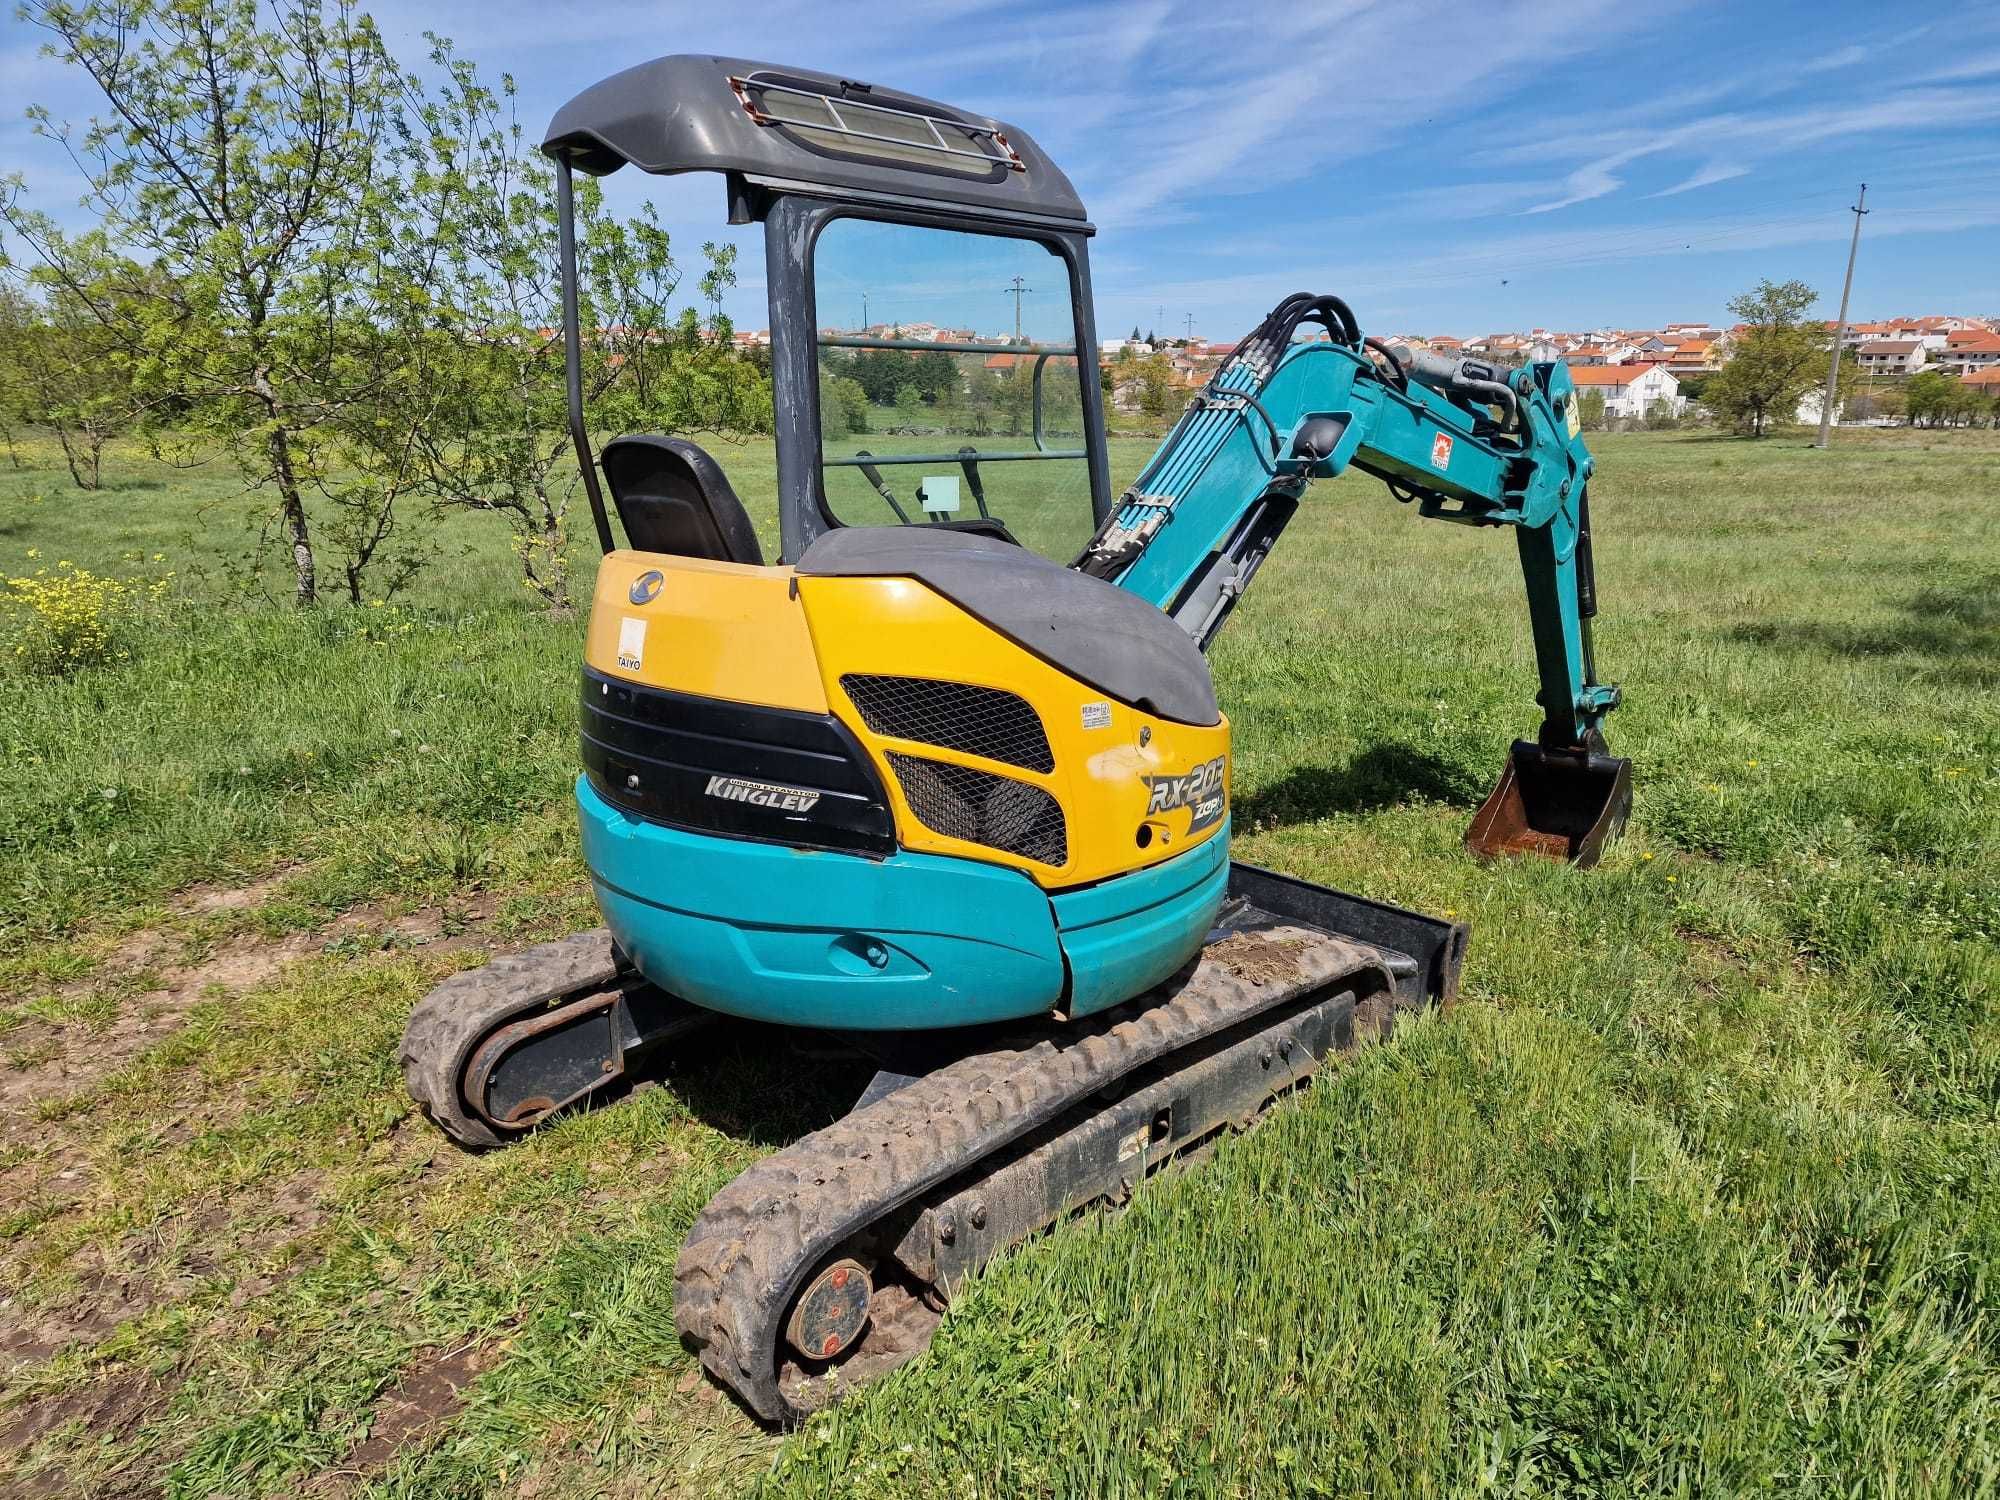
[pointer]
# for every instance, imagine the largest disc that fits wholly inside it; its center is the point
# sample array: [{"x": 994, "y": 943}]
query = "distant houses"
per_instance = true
[
  {"x": 1631, "y": 391},
  {"x": 1642, "y": 373},
  {"x": 1891, "y": 356}
]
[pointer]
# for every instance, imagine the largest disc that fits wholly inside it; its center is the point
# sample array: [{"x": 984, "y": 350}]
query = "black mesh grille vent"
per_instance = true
[
  {"x": 977, "y": 720},
  {"x": 982, "y": 808}
]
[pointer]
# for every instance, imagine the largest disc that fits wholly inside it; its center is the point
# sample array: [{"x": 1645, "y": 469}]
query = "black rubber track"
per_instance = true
[
  {"x": 749, "y": 1253},
  {"x": 454, "y": 1018}
]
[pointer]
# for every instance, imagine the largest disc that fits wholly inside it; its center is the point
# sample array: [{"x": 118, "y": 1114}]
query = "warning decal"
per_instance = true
[{"x": 1441, "y": 451}]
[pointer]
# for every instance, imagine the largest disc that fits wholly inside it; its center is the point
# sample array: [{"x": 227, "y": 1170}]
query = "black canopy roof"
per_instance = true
[{"x": 777, "y": 124}]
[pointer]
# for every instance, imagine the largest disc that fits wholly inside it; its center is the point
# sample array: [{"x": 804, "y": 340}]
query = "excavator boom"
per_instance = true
[{"x": 1465, "y": 441}]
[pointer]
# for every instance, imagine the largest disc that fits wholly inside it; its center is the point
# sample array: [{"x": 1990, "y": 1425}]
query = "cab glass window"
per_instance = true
[{"x": 949, "y": 385}]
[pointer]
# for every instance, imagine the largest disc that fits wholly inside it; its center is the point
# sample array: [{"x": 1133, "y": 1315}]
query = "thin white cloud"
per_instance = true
[
  {"x": 1249, "y": 118},
  {"x": 1512, "y": 255},
  {"x": 1985, "y": 65},
  {"x": 1750, "y": 137},
  {"x": 1708, "y": 176},
  {"x": 1595, "y": 179},
  {"x": 1841, "y": 57}
]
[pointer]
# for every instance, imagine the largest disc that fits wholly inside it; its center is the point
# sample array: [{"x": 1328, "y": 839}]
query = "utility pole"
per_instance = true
[
  {"x": 1017, "y": 289},
  {"x": 1190, "y": 327},
  {"x": 1840, "y": 333},
  {"x": 864, "y": 312}
]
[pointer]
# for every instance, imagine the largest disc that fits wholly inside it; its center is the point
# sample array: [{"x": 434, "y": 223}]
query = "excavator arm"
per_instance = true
[{"x": 1465, "y": 442}]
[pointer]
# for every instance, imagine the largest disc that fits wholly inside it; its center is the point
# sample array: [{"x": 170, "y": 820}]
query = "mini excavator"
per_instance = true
[{"x": 960, "y": 801}]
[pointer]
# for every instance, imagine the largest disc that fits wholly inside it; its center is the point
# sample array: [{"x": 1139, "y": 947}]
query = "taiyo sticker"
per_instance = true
[
  {"x": 1097, "y": 716},
  {"x": 631, "y": 643},
  {"x": 1441, "y": 451}
]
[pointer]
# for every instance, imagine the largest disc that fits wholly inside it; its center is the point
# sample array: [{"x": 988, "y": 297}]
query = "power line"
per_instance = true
[{"x": 1840, "y": 333}]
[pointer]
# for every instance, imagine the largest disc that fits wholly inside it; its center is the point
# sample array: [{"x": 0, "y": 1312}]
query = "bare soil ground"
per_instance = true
[{"x": 156, "y": 978}]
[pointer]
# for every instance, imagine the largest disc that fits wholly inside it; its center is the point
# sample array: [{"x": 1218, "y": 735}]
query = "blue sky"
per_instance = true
[{"x": 1447, "y": 167}]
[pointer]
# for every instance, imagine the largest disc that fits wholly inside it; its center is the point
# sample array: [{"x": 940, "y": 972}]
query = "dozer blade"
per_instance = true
[
  {"x": 828, "y": 1263},
  {"x": 1558, "y": 804}
]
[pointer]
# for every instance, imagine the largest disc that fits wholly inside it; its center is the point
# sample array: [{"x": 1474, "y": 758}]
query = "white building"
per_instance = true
[
  {"x": 1891, "y": 356},
  {"x": 1630, "y": 390},
  {"x": 1970, "y": 351}
]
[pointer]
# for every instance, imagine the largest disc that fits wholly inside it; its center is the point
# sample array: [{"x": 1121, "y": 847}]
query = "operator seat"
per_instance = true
[
  {"x": 673, "y": 498},
  {"x": 1095, "y": 631}
]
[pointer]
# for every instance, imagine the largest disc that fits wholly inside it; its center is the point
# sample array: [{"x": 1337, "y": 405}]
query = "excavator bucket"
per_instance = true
[{"x": 1558, "y": 804}]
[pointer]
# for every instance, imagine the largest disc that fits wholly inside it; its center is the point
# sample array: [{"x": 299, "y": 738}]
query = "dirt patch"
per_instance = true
[
  {"x": 1722, "y": 952},
  {"x": 428, "y": 1395},
  {"x": 54, "y": 1060},
  {"x": 1258, "y": 957},
  {"x": 117, "y": 1403},
  {"x": 64, "y": 1058},
  {"x": 207, "y": 898},
  {"x": 30, "y": 1339}
]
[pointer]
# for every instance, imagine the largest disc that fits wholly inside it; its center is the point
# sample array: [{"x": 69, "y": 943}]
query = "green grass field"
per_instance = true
[{"x": 1698, "y": 1193}]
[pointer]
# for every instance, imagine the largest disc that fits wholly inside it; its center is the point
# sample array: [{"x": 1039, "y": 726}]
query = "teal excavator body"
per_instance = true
[{"x": 953, "y": 805}]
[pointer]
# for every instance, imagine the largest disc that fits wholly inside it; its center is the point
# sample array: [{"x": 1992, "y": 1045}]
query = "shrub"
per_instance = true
[{"x": 67, "y": 619}]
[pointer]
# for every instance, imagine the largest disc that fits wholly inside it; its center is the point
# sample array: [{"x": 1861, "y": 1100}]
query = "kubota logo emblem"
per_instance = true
[
  {"x": 1200, "y": 791},
  {"x": 762, "y": 794}
]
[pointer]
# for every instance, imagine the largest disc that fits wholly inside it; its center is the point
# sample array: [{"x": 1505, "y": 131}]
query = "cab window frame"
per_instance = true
[{"x": 1061, "y": 246}]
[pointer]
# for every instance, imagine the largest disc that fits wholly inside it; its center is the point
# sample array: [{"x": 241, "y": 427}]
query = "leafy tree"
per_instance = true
[
  {"x": 1590, "y": 410},
  {"x": 716, "y": 281},
  {"x": 1156, "y": 386},
  {"x": 492, "y": 435},
  {"x": 17, "y": 319},
  {"x": 1932, "y": 398},
  {"x": 936, "y": 377},
  {"x": 1773, "y": 363},
  {"x": 1014, "y": 394},
  {"x": 70, "y": 375},
  {"x": 1880, "y": 401},
  {"x": 1135, "y": 333},
  {"x": 843, "y": 405},
  {"x": 881, "y": 372},
  {"x": 246, "y": 192}
]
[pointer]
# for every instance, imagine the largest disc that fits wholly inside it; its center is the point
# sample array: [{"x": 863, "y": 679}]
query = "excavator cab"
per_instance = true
[{"x": 933, "y": 352}]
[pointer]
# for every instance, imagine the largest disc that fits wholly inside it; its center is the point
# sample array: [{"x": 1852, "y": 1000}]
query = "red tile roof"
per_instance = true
[
  {"x": 1607, "y": 374},
  {"x": 1989, "y": 376}
]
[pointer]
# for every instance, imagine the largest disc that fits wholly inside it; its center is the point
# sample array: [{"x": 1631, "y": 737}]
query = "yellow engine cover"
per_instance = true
[{"x": 1134, "y": 789}]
